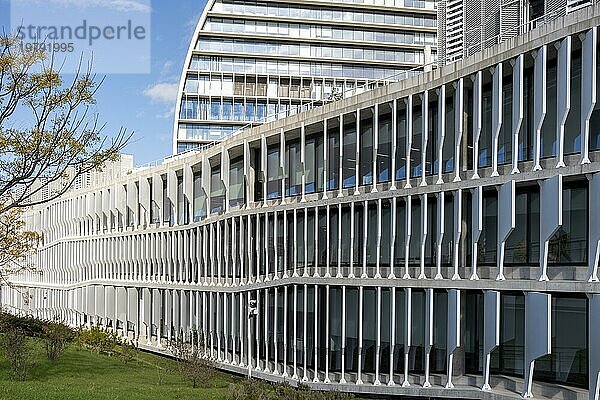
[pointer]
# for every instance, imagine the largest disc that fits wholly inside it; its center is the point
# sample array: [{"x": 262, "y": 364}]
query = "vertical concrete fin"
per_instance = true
[
  {"x": 594, "y": 228},
  {"x": 517, "y": 109},
  {"x": 563, "y": 96},
  {"x": 491, "y": 331},
  {"x": 539, "y": 104},
  {"x": 538, "y": 332},
  {"x": 506, "y": 220},
  {"x": 588, "y": 89},
  {"x": 551, "y": 209}
]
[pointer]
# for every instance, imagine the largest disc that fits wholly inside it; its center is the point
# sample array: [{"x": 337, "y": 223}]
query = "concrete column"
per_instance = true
[
  {"x": 276, "y": 252},
  {"x": 593, "y": 228},
  {"x": 343, "y": 378},
  {"x": 357, "y": 162},
  {"x": 365, "y": 232},
  {"x": 551, "y": 217},
  {"x": 539, "y": 103},
  {"x": 360, "y": 334},
  {"x": 441, "y": 132},
  {"x": 275, "y": 343},
  {"x": 303, "y": 160},
  {"x": 375, "y": 145},
  {"x": 424, "y": 232},
  {"x": 285, "y": 328},
  {"x": 266, "y": 248},
  {"x": 563, "y": 97},
  {"x": 281, "y": 165},
  {"x": 409, "y": 133},
  {"x": 377, "y": 382},
  {"x": 407, "y": 332},
  {"x": 327, "y": 380},
  {"x": 266, "y": 369},
  {"x": 477, "y": 100},
  {"x": 458, "y": 227},
  {"x": 506, "y": 221},
  {"x": 424, "y": 136},
  {"x": 392, "y": 335},
  {"x": 497, "y": 104},
  {"x": 285, "y": 243},
  {"x": 263, "y": 167},
  {"x": 476, "y": 228},
  {"x": 295, "y": 235},
  {"x": 458, "y": 127},
  {"x": 441, "y": 219},
  {"x": 379, "y": 222},
  {"x": 408, "y": 235},
  {"x": 316, "y": 337},
  {"x": 428, "y": 333},
  {"x": 341, "y": 157},
  {"x": 394, "y": 142},
  {"x": 304, "y": 335},
  {"x": 491, "y": 331},
  {"x": 594, "y": 347},
  {"x": 295, "y": 336},
  {"x": 588, "y": 89},
  {"x": 316, "y": 244},
  {"x": 325, "y": 160},
  {"x": 305, "y": 233},
  {"x": 392, "y": 222},
  {"x": 538, "y": 333},
  {"x": 517, "y": 109},
  {"x": 453, "y": 333}
]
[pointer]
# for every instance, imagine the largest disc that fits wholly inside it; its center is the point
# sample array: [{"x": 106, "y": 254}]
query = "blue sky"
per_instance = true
[{"x": 144, "y": 103}]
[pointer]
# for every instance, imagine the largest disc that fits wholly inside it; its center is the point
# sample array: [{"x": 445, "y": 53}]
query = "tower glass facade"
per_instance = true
[{"x": 252, "y": 62}]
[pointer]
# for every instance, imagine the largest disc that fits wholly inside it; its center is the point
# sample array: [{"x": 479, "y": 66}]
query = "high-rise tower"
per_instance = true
[{"x": 250, "y": 62}]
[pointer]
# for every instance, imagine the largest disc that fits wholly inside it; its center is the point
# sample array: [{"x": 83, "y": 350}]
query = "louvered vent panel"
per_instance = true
[
  {"x": 510, "y": 18},
  {"x": 491, "y": 23},
  {"x": 472, "y": 26},
  {"x": 555, "y": 9},
  {"x": 441, "y": 21}
]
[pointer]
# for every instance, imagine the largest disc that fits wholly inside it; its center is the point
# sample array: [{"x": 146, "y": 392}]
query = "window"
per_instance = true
[
  {"x": 509, "y": 357},
  {"x": 366, "y": 147},
  {"x": 488, "y": 240},
  {"x": 523, "y": 244},
  {"x": 293, "y": 168},
  {"x": 349, "y": 152},
  {"x": 384, "y": 150},
  {"x": 217, "y": 191},
  {"x": 401, "y": 144},
  {"x": 236, "y": 182},
  {"x": 314, "y": 163},
  {"x": 568, "y": 361},
  {"x": 199, "y": 198},
  {"x": 569, "y": 244},
  {"x": 273, "y": 173}
]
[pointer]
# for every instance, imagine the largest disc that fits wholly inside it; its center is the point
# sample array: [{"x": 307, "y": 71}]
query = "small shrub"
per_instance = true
[
  {"x": 14, "y": 344},
  {"x": 56, "y": 337},
  {"x": 192, "y": 364},
  {"x": 98, "y": 340},
  {"x": 27, "y": 325},
  {"x": 258, "y": 390},
  {"x": 127, "y": 352}
]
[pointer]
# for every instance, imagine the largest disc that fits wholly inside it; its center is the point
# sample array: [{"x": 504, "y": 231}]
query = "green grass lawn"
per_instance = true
[{"x": 81, "y": 374}]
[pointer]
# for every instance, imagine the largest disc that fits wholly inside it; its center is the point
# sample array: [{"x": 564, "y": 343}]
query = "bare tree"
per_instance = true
[
  {"x": 190, "y": 356},
  {"x": 48, "y": 136}
]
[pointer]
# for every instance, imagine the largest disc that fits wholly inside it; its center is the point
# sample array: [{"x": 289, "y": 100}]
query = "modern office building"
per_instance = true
[
  {"x": 438, "y": 237},
  {"x": 468, "y": 26},
  {"x": 254, "y": 61}
]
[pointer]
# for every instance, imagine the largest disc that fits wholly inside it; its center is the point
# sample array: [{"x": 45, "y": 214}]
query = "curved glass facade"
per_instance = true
[{"x": 251, "y": 62}]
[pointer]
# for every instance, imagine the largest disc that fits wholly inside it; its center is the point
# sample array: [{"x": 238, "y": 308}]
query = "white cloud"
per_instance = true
[{"x": 165, "y": 93}]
